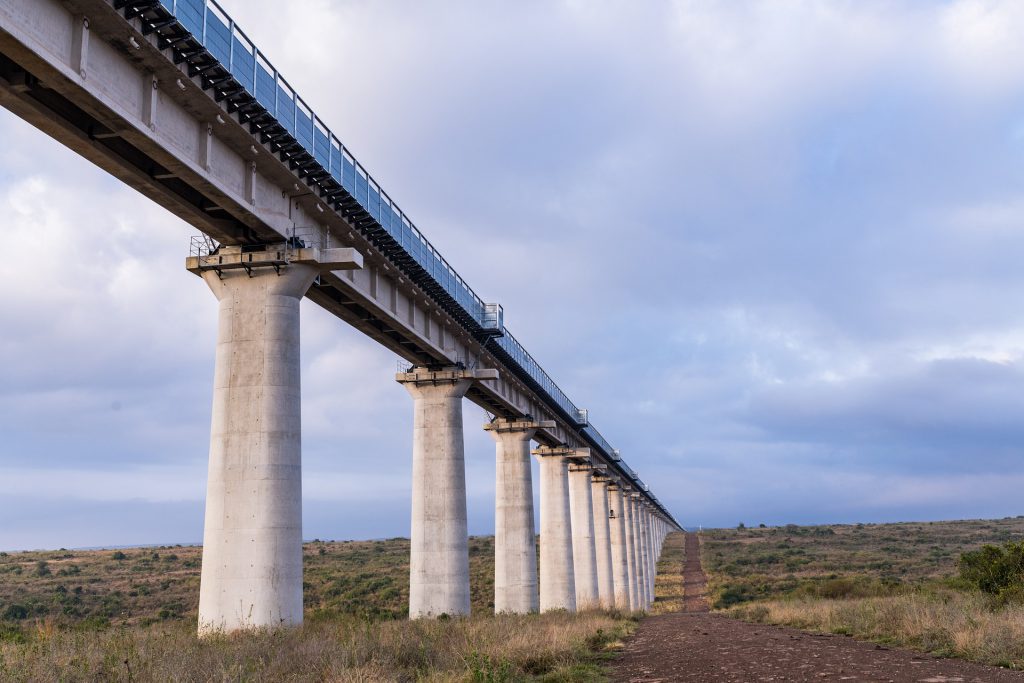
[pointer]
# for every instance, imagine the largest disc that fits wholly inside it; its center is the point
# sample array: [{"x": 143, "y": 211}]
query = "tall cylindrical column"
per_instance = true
[
  {"x": 634, "y": 585},
  {"x": 649, "y": 549},
  {"x": 641, "y": 555},
  {"x": 252, "y": 538},
  {"x": 584, "y": 552},
  {"x": 655, "y": 555},
  {"x": 557, "y": 581},
  {"x": 602, "y": 540},
  {"x": 620, "y": 551},
  {"x": 439, "y": 554},
  {"x": 515, "y": 547}
]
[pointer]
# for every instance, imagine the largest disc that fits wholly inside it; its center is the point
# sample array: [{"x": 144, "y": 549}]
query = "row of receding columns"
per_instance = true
[{"x": 599, "y": 538}]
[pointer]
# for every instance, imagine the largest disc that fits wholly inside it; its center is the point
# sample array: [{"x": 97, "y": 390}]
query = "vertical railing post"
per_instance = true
[{"x": 277, "y": 88}]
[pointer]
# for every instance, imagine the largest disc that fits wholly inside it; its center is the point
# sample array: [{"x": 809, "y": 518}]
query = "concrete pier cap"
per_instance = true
[
  {"x": 517, "y": 424},
  {"x": 439, "y": 540},
  {"x": 276, "y": 255},
  {"x": 430, "y": 375}
]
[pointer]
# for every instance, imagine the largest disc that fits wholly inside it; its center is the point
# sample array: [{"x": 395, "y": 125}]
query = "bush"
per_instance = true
[
  {"x": 995, "y": 570},
  {"x": 16, "y": 612}
]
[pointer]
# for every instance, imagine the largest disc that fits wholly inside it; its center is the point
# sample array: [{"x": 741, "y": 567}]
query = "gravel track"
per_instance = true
[{"x": 695, "y": 645}]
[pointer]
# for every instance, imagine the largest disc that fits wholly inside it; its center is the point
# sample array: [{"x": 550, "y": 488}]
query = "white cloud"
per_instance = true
[{"x": 740, "y": 233}]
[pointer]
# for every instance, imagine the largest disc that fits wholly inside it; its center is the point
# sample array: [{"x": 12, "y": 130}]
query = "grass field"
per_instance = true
[
  {"x": 130, "y": 615},
  {"x": 140, "y": 586},
  {"x": 668, "y": 581},
  {"x": 890, "y": 583}
]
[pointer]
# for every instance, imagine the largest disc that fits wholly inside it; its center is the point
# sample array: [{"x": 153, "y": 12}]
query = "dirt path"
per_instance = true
[
  {"x": 695, "y": 584},
  {"x": 706, "y": 648}
]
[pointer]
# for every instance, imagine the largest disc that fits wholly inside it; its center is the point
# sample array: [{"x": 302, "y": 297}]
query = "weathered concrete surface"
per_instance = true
[
  {"x": 639, "y": 555},
  {"x": 645, "y": 535},
  {"x": 439, "y": 557},
  {"x": 252, "y": 540},
  {"x": 619, "y": 546},
  {"x": 515, "y": 548},
  {"x": 583, "y": 551},
  {"x": 602, "y": 540},
  {"x": 631, "y": 565},
  {"x": 557, "y": 580}
]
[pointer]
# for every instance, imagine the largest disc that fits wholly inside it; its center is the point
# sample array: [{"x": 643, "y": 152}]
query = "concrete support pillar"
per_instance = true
[
  {"x": 584, "y": 552},
  {"x": 656, "y": 549},
  {"x": 439, "y": 556},
  {"x": 252, "y": 538},
  {"x": 649, "y": 549},
  {"x": 641, "y": 555},
  {"x": 634, "y": 586},
  {"x": 619, "y": 546},
  {"x": 557, "y": 580},
  {"x": 602, "y": 540},
  {"x": 515, "y": 547}
]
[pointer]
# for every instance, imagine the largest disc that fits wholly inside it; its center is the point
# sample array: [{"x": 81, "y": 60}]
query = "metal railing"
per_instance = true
[{"x": 217, "y": 32}]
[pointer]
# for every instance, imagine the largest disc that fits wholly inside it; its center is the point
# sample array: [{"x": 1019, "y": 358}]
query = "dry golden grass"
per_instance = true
[
  {"x": 553, "y": 647},
  {"x": 888, "y": 583},
  {"x": 861, "y": 559},
  {"x": 668, "y": 582},
  {"x": 129, "y": 615},
  {"x": 139, "y": 586},
  {"x": 949, "y": 623}
]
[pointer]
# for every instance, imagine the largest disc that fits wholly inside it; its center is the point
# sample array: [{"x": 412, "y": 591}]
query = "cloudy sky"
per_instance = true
[{"x": 774, "y": 247}]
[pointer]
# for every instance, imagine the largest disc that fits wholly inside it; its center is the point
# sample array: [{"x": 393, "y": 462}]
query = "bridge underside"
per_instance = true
[{"x": 98, "y": 139}]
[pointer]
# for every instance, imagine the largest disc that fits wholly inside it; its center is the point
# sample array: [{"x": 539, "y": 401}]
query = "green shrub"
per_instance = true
[
  {"x": 11, "y": 633},
  {"x": 995, "y": 570},
  {"x": 15, "y": 612}
]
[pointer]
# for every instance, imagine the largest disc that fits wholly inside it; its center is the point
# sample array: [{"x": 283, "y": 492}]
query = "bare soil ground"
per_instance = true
[{"x": 695, "y": 645}]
